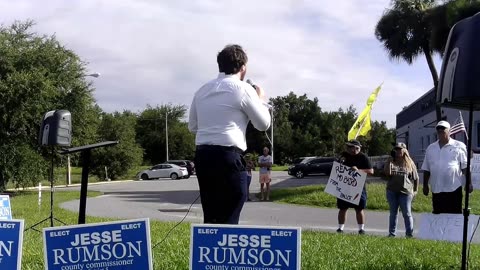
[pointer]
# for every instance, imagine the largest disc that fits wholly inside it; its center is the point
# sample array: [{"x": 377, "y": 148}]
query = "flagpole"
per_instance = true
[
  {"x": 461, "y": 119},
  {"x": 360, "y": 128},
  {"x": 368, "y": 109},
  {"x": 364, "y": 119}
]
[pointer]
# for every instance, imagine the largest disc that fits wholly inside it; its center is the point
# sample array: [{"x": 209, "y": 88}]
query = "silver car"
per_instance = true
[{"x": 163, "y": 171}]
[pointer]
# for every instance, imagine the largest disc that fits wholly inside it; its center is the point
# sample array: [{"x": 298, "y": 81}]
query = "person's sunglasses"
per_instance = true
[
  {"x": 441, "y": 128},
  {"x": 353, "y": 146}
]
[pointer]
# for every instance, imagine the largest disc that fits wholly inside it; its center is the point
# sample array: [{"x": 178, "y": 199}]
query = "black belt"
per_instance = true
[{"x": 220, "y": 147}]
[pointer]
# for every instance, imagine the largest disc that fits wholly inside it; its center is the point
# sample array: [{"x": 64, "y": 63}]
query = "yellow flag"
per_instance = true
[{"x": 362, "y": 126}]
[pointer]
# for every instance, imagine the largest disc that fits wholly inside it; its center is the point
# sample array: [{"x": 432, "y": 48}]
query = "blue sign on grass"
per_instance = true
[
  {"x": 5, "y": 208},
  {"x": 119, "y": 245},
  {"x": 244, "y": 247},
  {"x": 11, "y": 240}
]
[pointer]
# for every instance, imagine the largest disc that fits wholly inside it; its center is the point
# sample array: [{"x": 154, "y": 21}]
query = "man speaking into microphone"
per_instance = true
[{"x": 219, "y": 114}]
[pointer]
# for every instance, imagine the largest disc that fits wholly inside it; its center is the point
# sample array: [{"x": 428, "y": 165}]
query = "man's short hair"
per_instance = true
[{"x": 231, "y": 59}]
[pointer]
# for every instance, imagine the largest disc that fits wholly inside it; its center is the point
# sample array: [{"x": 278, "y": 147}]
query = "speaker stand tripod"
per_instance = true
[{"x": 52, "y": 189}]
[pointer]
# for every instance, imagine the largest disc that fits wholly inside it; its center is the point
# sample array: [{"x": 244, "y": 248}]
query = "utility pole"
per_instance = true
[{"x": 166, "y": 131}]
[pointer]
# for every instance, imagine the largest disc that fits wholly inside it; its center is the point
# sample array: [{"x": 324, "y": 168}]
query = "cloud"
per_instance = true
[{"x": 159, "y": 52}]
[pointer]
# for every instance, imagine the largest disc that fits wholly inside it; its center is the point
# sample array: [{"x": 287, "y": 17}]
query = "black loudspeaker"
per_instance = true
[
  {"x": 459, "y": 84},
  {"x": 56, "y": 128}
]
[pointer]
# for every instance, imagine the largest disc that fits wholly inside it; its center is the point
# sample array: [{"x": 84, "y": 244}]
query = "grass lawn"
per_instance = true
[
  {"x": 279, "y": 168},
  {"x": 60, "y": 176},
  {"x": 315, "y": 196},
  {"x": 319, "y": 250}
]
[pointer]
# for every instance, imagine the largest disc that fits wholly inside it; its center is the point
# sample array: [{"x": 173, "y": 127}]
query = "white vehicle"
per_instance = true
[{"x": 163, "y": 171}]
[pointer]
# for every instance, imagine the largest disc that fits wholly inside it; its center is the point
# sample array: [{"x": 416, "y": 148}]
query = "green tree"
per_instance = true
[
  {"x": 443, "y": 17},
  {"x": 339, "y": 124},
  {"x": 405, "y": 32},
  {"x": 380, "y": 139},
  {"x": 413, "y": 27},
  {"x": 151, "y": 134},
  {"x": 122, "y": 157},
  {"x": 302, "y": 129},
  {"x": 298, "y": 127},
  {"x": 37, "y": 74}
]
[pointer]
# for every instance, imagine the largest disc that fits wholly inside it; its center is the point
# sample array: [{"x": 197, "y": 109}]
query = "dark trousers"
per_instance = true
[
  {"x": 223, "y": 183},
  {"x": 447, "y": 202}
]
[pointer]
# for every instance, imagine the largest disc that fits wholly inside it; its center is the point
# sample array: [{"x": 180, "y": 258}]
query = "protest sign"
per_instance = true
[
  {"x": 11, "y": 240},
  {"x": 114, "y": 245},
  {"x": 244, "y": 247},
  {"x": 346, "y": 183},
  {"x": 5, "y": 208},
  {"x": 447, "y": 227},
  {"x": 475, "y": 170}
]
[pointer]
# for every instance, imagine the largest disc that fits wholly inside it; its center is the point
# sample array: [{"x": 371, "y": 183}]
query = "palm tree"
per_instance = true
[
  {"x": 413, "y": 27},
  {"x": 443, "y": 17},
  {"x": 405, "y": 32}
]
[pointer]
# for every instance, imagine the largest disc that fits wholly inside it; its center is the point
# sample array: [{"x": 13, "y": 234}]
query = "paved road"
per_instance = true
[{"x": 169, "y": 200}]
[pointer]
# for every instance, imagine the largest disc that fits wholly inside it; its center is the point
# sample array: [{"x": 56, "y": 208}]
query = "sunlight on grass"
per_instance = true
[{"x": 319, "y": 250}]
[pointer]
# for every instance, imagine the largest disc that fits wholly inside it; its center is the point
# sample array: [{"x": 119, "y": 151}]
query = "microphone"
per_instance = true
[{"x": 252, "y": 84}]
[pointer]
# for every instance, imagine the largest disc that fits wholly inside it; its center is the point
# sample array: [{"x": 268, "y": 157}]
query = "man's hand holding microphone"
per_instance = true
[{"x": 260, "y": 92}]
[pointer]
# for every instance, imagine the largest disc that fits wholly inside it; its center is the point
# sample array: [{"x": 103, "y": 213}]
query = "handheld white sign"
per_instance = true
[
  {"x": 475, "y": 170},
  {"x": 346, "y": 183}
]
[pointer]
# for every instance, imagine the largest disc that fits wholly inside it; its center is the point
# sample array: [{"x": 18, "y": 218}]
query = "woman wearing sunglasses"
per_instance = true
[{"x": 402, "y": 186}]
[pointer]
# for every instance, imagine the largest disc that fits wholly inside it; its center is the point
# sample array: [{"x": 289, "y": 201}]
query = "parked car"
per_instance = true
[
  {"x": 300, "y": 160},
  {"x": 184, "y": 163},
  {"x": 312, "y": 165},
  {"x": 163, "y": 171}
]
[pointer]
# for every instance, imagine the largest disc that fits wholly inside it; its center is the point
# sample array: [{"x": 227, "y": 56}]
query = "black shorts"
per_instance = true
[
  {"x": 447, "y": 202},
  {"x": 362, "y": 204}
]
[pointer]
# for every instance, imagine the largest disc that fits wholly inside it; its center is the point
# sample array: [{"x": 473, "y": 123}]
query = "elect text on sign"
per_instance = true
[
  {"x": 11, "y": 239},
  {"x": 244, "y": 247},
  {"x": 102, "y": 246}
]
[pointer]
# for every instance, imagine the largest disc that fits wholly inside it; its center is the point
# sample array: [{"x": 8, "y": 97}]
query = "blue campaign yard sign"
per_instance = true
[
  {"x": 244, "y": 247},
  {"x": 5, "y": 208},
  {"x": 11, "y": 240},
  {"x": 114, "y": 245}
]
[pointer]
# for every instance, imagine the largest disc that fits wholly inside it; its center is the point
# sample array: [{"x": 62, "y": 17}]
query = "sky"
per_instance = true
[{"x": 153, "y": 52}]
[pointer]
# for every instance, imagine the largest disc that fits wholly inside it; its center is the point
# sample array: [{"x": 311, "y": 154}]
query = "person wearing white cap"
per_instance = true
[{"x": 444, "y": 168}]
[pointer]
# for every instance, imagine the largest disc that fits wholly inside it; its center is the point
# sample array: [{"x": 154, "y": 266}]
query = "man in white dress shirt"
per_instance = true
[
  {"x": 219, "y": 114},
  {"x": 444, "y": 167}
]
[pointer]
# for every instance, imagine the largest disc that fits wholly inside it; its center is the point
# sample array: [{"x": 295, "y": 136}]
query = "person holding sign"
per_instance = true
[
  {"x": 265, "y": 164},
  {"x": 444, "y": 167},
  {"x": 357, "y": 161},
  {"x": 219, "y": 115},
  {"x": 402, "y": 186}
]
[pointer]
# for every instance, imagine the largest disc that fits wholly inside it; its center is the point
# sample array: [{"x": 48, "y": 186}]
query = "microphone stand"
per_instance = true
[
  {"x": 52, "y": 189},
  {"x": 466, "y": 210}
]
